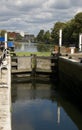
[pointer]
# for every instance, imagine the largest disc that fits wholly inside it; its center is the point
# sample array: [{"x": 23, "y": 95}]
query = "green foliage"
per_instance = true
[
  {"x": 18, "y": 37},
  {"x": 78, "y": 18},
  {"x": 43, "y": 37},
  {"x": 55, "y": 31},
  {"x": 47, "y": 37},
  {"x": 30, "y": 53},
  {"x": 78, "y": 22},
  {"x": 40, "y": 36},
  {"x": 45, "y": 47},
  {"x": 2, "y": 33},
  {"x": 70, "y": 32}
]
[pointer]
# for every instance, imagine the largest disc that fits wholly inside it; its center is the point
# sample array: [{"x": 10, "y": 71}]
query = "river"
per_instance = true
[
  {"x": 33, "y": 47},
  {"x": 37, "y": 105},
  {"x": 26, "y": 47}
]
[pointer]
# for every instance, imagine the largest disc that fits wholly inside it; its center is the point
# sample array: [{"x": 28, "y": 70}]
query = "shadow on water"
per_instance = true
[
  {"x": 39, "y": 104},
  {"x": 70, "y": 89}
]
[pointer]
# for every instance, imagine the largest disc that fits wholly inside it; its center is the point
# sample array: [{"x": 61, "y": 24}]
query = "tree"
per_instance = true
[
  {"x": 72, "y": 29},
  {"x": 78, "y": 22},
  {"x": 78, "y": 18},
  {"x": 2, "y": 33},
  {"x": 68, "y": 31},
  {"x": 18, "y": 37},
  {"x": 40, "y": 36},
  {"x": 55, "y": 31},
  {"x": 47, "y": 36}
]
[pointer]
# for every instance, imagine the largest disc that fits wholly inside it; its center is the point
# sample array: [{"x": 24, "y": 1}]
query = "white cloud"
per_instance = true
[{"x": 33, "y": 15}]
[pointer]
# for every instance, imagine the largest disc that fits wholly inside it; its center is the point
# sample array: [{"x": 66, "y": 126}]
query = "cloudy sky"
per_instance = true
[{"x": 32, "y": 15}]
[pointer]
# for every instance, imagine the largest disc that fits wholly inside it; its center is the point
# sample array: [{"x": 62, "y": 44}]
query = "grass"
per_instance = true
[{"x": 36, "y": 53}]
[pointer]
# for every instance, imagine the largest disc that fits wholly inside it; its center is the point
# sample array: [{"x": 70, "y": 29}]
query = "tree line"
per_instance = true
[{"x": 70, "y": 32}]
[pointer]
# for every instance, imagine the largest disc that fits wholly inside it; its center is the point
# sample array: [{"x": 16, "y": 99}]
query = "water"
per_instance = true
[
  {"x": 26, "y": 47},
  {"x": 33, "y": 47},
  {"x": 37, "y": 106}
]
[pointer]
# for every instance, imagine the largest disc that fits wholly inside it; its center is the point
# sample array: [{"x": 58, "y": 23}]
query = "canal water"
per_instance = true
[{"x": 38, "y": 105}]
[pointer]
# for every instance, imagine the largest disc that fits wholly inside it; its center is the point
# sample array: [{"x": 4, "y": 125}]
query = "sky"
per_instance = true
[{"x": 33, "y": 15}]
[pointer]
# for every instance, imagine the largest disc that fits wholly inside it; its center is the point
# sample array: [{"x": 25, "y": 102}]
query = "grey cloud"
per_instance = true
[
  {"x": 77, "y": 3},
  {"x": 23, "y": 4},
  {"x": 32, "y": 15},
  {"x": 62, "y": 4}
]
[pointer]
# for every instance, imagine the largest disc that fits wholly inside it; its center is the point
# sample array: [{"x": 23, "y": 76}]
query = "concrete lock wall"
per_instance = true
[
  {"x": 73, "y": 69},
  {"x": 71, "y": 73},
  {"x": 35, "y": 65},
  {"x": 27, "y": 63},
  {"x": 24, "y": 63},
  {"x": 43, "y": 64}
]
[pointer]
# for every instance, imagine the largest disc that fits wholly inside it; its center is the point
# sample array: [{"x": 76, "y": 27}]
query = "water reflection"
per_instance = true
[
  {"x": 33, "y": 47},
  {"x": 26, "y": 47},
  {"x": 37, "y": 106}
]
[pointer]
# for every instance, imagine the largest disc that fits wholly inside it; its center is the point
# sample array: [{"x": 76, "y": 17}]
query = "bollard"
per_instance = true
[
  {"x": 80, "y": 60},
  {"x": 70, "y": 57}
]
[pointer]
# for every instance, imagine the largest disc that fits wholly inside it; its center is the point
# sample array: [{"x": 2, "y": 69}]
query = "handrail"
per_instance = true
[{"x": 3, "y": 56}]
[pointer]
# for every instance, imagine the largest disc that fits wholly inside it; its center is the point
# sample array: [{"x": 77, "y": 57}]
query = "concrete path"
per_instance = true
[
  {"x": 5, "y": 96},
  {"x": 74, "y": 57}
]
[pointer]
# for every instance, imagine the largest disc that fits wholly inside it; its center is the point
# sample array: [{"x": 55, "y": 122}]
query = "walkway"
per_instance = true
[
  {"x": 77, "y": 57},
  {"x": 5, "y": 95}
]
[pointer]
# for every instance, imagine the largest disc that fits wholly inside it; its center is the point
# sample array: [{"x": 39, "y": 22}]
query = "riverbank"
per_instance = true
[{"x": 36, "y": 53}]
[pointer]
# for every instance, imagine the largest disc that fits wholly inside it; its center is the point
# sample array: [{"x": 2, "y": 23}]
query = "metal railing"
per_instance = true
[{"x": 3, "y": 60}]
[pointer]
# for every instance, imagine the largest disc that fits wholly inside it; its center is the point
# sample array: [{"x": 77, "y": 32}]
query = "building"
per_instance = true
[{"x": 28, "y": 37}]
